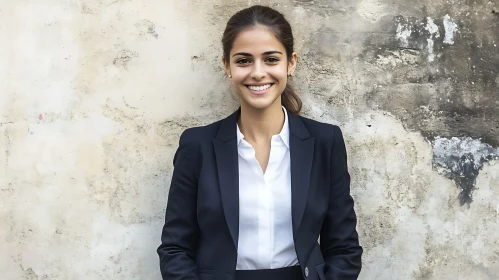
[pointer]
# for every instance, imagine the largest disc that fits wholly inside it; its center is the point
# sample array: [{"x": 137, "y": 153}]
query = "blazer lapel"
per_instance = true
[
  {"x": 302, "y": 155},
  {"x": 225, "y": 145}
]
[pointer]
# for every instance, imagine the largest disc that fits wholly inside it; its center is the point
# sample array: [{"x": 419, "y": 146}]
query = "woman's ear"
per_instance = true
[
  {"x": 226, "y": 66},
  {"x": 292, "y": 64}
]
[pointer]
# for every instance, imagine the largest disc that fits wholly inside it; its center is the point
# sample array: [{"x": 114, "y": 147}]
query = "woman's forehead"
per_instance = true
[{"x": 256, "y": 40}]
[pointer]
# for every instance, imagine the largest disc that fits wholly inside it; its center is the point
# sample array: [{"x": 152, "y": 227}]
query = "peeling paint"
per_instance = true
[
  {"x": 460, "y": 159},
  {"x": 432, "y": 28},
  {"x": 429, "y": 48},
  {"x": 450, "y": 29},
  {"x": 404, "y": 31}
]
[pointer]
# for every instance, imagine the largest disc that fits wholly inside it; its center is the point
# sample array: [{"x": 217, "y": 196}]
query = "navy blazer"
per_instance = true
[{"x": 200, "y": 235}]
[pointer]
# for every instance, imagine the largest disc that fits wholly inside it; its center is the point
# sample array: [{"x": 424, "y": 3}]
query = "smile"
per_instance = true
[{"x": 260, "y": 88}]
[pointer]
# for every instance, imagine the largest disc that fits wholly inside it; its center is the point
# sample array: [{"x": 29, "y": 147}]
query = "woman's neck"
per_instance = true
[{"x": 261, "y": 124}]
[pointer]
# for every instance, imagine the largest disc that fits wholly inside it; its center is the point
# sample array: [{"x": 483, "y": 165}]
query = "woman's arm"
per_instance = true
[
  {"x": 180, "y": 233},
  {"x": 339, "y": 240}
]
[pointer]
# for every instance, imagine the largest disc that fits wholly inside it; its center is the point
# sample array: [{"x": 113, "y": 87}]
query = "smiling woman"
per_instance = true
[
  {"x": 251, "y": 194},
  {"x": 259, "y": 66},
  {"x": 262, "y": 37}
]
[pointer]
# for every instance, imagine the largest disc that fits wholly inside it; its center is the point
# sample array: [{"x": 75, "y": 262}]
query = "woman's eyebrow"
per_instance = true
[{"x": 248, "y": 54}]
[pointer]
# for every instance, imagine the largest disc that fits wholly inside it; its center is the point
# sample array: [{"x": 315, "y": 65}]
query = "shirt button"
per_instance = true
[{"x": 306, "y": 272}]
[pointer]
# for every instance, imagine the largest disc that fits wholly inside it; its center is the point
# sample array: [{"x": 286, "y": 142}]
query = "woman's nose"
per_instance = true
[{"x": 258, "y": 71}]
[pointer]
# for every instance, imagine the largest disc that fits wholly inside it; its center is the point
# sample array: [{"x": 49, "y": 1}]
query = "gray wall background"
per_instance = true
[{"x": 94, "y": 95}]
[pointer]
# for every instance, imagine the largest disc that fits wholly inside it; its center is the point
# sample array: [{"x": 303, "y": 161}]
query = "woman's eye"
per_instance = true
[
  {"x": 272, "y": 59},
  {"x": 242, "y": 61}
]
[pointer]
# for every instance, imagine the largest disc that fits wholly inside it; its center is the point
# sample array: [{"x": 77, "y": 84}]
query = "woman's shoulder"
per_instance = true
[{"x": 201, "y": 133}]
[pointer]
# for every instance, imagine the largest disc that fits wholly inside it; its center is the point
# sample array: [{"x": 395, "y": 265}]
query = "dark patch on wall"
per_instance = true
[
  {"x": 461, "y": 159},
  {"x": 454, "y": 95},
  {"x": 416, "y": 41}
]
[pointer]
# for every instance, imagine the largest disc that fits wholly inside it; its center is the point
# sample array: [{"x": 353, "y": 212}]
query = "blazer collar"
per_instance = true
[
  {"x": 283, "y": 134},
  {"x": 228, "y": 126}
]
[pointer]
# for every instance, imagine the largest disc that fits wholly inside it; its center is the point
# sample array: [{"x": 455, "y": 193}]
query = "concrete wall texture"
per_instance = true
[{"x": 94, "y": 95}]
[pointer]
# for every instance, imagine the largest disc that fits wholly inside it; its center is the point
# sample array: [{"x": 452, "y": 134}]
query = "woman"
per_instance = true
[{"x": 251, "y": 194}]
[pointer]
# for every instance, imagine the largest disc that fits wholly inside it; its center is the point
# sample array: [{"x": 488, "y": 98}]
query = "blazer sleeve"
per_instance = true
[
  {"x": 339, "y": 240},
  {"x": 180, "y": 232}
]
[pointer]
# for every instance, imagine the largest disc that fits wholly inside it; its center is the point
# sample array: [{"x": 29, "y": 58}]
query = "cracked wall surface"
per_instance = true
[{"x": 94, "y": 95}]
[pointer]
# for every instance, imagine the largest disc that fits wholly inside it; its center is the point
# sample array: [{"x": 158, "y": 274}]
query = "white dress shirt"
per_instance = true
[{"x": 265, "y": 229}]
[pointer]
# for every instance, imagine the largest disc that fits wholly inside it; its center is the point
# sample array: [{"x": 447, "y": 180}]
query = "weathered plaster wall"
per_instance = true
[{"x": 94, "y": 95}]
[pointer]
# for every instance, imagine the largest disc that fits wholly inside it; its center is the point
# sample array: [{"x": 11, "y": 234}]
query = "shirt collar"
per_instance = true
[{"x": 284, "y": 134}]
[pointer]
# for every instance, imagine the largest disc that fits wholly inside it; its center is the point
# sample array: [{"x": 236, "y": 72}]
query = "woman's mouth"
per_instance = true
[{"x": 259, "y": 89}]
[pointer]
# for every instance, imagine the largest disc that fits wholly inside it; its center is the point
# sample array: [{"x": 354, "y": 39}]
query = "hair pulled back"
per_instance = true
[{"x": 276, "y": 23}]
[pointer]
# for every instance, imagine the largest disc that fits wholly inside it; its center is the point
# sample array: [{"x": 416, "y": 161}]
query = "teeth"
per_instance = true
[{"x": 259, "y": 88}]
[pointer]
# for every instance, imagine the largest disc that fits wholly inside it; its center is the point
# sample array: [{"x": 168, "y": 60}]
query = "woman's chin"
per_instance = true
[{"x": 261, "y": 104}]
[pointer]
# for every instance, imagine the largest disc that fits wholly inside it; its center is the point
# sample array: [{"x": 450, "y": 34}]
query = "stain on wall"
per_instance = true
[
  {"x": 461, "y": 159},
  {"x": 96, "y": 94},
  {"x": 461, "y": 69}
]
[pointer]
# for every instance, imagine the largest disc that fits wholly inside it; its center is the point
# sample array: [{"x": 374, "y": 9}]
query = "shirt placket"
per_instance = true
[
  {"x": 264, "y": 221},
  {"x": 269, "y": 173}
]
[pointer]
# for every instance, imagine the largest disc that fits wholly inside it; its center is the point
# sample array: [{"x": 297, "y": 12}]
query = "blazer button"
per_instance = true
[{"x": 306, "y": 272}]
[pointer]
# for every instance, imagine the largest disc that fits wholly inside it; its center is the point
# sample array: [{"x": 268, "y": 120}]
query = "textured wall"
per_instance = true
[{"x": 94, "y": 95}]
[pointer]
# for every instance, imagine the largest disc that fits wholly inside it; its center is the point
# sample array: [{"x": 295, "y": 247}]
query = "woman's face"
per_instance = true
[{"x": 259, "y": 68}]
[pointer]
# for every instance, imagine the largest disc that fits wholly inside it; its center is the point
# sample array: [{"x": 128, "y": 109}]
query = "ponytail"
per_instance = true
[{"x": 290, "y": 100}]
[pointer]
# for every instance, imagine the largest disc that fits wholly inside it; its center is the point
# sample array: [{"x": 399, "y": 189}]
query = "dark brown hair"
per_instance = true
[{"x": 275, "y": 21}]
